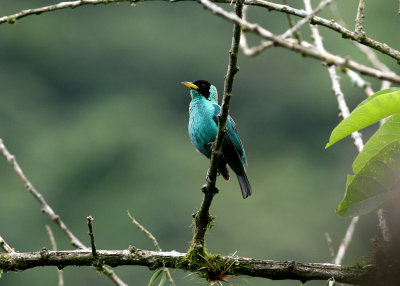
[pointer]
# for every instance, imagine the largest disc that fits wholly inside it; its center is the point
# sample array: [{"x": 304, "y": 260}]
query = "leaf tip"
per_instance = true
[{"x": 329, "y": 144}]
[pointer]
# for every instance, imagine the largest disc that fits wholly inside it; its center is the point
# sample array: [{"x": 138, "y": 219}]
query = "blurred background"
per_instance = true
[{"x": 92, "y": 106}]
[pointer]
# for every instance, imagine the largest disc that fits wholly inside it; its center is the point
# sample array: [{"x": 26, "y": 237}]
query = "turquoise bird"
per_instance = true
[{"x": 203, "y": 127}]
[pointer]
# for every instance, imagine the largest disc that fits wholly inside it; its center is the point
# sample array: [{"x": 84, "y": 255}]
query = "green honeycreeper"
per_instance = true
[{"x": 203, "y": 127}]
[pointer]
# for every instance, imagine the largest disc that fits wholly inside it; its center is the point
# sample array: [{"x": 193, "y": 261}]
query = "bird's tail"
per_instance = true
[{"x": 244, "y": 185}]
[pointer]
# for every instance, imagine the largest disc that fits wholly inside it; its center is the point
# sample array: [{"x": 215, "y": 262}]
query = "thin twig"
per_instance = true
[
  {"x": 91, "y": 234},
  {"x": 5, "y": 245},
  {"x": 307, "y": 18},
  {"x": 291, "y": 23},
  {"x": 371, "y": 55},
  {"x": 54, "y": 246},
  {"x": 358, "y": 81},
  {"x": 346, "y": 240},
  {"x": 326, "y": 57},
  {"x": 202, "y": 218},
  {"x": 292, "y": 30},
  {"x": 359, "y": 19},
  {"x": 44, "y": 205},
  {"x": 145, "y": 231},
  {"x": 154, "y": 240},
  {"x": 49, "y": 211}
]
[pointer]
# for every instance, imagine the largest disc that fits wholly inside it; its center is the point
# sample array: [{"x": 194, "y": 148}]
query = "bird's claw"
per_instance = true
[
  {"x": 211, "y": 145},
  {"x": 208, "y": 177}
]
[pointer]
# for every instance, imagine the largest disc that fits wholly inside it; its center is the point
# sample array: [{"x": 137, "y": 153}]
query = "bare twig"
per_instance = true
[
  {"x": 346, "y": 240},
  {"x": 359, "y": 81},
  {"x": 345, "y": 112},
  {"x": 367, "y": 51},
  {"x": 277, "y": 270},
  {"x": 331, "y": 24},
  {"x": 307, "y": 18},
  {"x": 154, "y": 240},
  {"x": 54, "y": 246},
  {"x": 289, "y": 17},
  {"x": 145, "y": 231},
  {"x": 49, "y": 211},
  {"x": 329, "y": 58},
  {"x": 359, "y": 19},
  {"x": 202, "y": 218},
  {"x": 91, "y": 234},
  {"x": 44, "y": 205},
  {"x": 292, "y": 30},
  {"x": 5, "y": 246}
]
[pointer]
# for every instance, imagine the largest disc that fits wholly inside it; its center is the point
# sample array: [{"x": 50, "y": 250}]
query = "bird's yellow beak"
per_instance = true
[{"x": 189, "y": 84}]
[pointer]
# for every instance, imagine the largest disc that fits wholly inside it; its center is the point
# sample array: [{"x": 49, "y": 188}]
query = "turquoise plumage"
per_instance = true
[{"x": 203, "y": 127}]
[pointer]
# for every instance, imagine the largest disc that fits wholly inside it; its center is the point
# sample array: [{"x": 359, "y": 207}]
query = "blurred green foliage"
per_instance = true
[{"x": 92, "y": 108}]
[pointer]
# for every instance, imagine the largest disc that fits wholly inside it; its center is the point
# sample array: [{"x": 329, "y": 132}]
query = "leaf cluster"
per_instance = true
[{"x": 376, "y": 179}]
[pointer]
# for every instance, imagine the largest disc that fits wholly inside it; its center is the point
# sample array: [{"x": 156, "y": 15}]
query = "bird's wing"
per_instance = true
[{"x": 232, "y": 147}]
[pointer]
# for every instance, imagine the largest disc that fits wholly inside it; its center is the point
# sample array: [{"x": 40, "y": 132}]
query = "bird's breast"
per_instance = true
[{"x": 202, "y": 127}]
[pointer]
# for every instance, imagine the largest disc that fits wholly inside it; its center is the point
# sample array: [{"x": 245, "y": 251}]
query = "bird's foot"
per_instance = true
[
  {"x": 211, "y": 144},
  {"x": 212, "y": 191}
]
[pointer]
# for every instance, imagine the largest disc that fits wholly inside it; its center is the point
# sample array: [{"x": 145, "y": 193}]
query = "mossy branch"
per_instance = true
[
  {"x": 202, "y": 217},
  {"x": 277, "y": 270}
]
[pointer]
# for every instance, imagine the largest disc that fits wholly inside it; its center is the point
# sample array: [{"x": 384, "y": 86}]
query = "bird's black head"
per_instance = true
[{"x": 204, "y": 87}]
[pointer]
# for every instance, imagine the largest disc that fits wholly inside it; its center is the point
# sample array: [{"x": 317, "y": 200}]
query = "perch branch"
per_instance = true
[
  {"x": 49, "y": 211},
  {"x": 154, "y": 240},
  {"x": 277, "y": 270},
  {"x": 202, "y": 218},
  {"x": 54, "y": 246}
]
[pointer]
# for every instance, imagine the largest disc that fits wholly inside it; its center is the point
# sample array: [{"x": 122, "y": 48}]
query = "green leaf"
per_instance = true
[
  {"x": 155, "y": 276},
  {"x": 385, "y": 135},
  {"x": 376, "y": 183},
  {"x": 378, "y": 106},
  {"x": 163, "y": 279}
]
